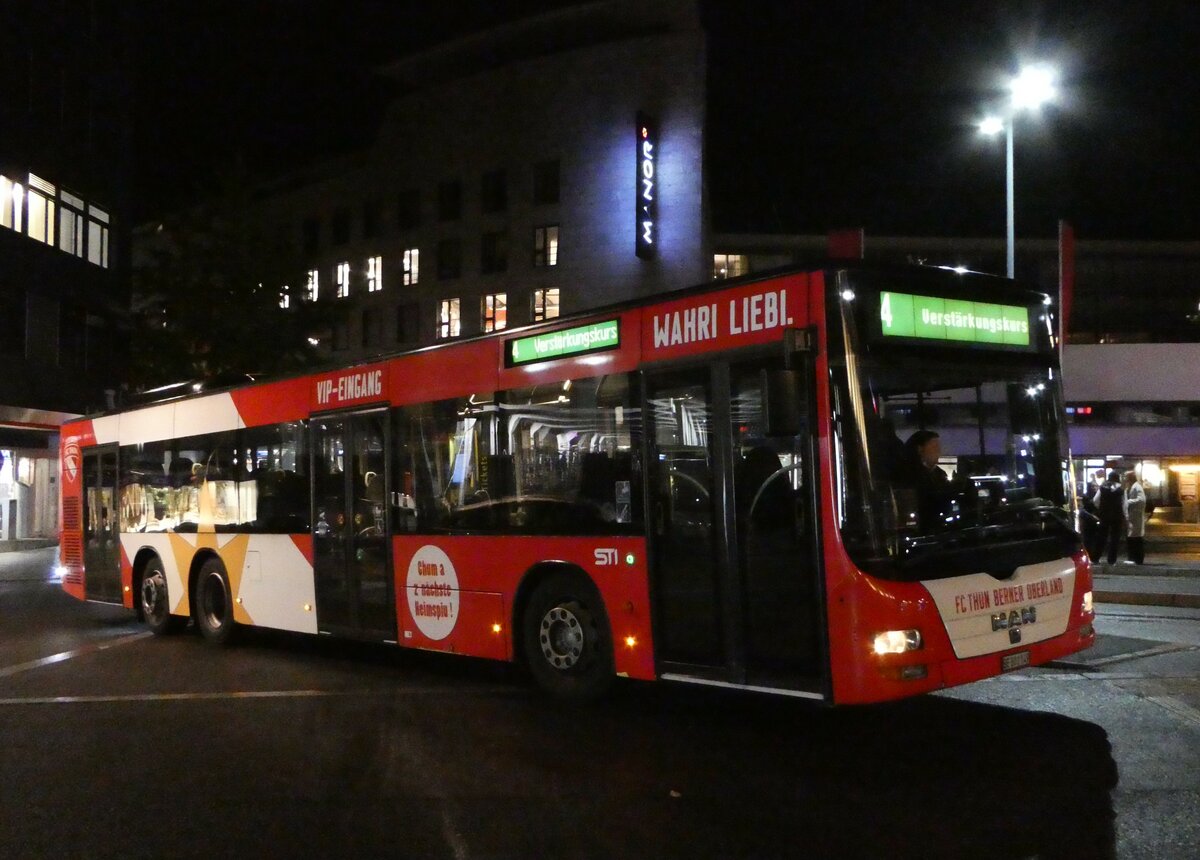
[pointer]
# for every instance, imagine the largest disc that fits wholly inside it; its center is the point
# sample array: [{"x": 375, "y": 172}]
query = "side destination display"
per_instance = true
[
  {"x": 932, "y": 318},
  {"x": 580, "y": 340}
]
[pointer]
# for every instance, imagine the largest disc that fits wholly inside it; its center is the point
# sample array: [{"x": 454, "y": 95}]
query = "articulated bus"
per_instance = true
[{"x": 711, "y": 486}]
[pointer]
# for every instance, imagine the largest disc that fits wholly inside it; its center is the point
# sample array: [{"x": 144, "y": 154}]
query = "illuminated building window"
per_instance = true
[
  {"x": 494, "y": 192},
  {"x": 97, "y": 239},
  {"x": 449, "y": 201},
  {"x": 545, "y": 181},
  {"x": 412, "y": 266},
  {"x": 57, "y": 218},
  {"x": 495, "y": 311},
  {"x": 493, "y": 252},
  {"x": 449, "y": 259},
  {"x": 545, "y": 245},
  {"x": 40, "y": 202},
  {"x": 70, "y": 223},
  {"x": 374, "y": 274},
  {"x": 449, "y": 321},
  {"x": 6, "y": 191},
  {"x": 12, "y": 205},
  {"x": 342, "y": 279},
  {"x": 312, "y": 287},
  {"x": 729, "y": 266},
  {"x": 285, "y": 297},
  {"x": 545, "y": 304}
]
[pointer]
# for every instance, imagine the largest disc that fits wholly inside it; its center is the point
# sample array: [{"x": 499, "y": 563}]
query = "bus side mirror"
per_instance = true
[{"x": 783, "y": 408}]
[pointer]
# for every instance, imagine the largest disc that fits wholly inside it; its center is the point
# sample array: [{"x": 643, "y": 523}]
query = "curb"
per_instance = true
[
  {"x": 1149, "y": 598},
  {"x": 25, "y": 545}
]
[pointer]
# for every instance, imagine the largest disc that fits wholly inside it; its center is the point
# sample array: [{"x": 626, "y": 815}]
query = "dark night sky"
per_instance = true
[{"x": 863, "y": 112}]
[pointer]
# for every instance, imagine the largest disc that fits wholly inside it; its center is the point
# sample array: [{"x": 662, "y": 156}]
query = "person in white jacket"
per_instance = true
[{"x": 1135, "y": 516}]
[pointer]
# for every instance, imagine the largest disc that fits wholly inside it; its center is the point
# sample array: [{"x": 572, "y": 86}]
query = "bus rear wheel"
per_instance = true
[
  {"x": 568, "y": 647},
  {"x": 156, "y": 600},
  {"x": 214, "y": 603}
]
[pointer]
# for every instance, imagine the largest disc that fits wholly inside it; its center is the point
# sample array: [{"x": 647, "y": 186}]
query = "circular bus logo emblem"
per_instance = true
[
  {"x": 71, "y": 460},
  {"x": 432, "y": 588}
]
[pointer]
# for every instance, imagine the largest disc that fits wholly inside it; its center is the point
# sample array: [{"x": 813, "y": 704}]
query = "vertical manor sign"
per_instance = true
[{"x": 646, "y": 196}]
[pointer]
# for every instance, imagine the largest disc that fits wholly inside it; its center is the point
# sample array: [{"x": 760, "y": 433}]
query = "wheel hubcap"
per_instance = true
[
  {"x": 214, "y": 602},
  {"x": 154, "y": 595},
  {"x": 561, "y": 636}
]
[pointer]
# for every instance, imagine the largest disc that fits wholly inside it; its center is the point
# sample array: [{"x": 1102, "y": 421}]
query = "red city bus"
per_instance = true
[{"x": 709, "y": 487}]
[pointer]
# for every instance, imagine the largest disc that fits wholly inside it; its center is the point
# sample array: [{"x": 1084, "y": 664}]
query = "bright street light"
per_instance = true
[
  {"x": 1032, "y": 88},
  {"x": 991, "y": 125}
]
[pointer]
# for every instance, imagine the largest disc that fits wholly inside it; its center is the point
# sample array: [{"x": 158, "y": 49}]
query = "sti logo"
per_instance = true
[
  {"x": 606, "y": 557},
  {"x": 71, "y": 456}
]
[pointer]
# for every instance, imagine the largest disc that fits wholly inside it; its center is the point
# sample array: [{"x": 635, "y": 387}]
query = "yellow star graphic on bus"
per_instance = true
[{"x": 232, "y": 555}]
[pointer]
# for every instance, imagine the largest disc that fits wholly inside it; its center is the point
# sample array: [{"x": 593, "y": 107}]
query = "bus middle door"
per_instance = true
[{"x": 350, "y": 526}]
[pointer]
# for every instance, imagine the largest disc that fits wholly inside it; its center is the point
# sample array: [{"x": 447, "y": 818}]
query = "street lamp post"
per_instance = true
[{"x": 1032, "y": 88}]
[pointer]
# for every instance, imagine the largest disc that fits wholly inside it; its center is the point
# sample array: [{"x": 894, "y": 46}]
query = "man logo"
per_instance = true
[
  {"x": 71, "y": 459},
  {"x": 1014, "y": 621},
  {"x": 606, "y": 557}
]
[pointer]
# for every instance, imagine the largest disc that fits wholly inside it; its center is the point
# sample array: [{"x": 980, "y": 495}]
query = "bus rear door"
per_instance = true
[{"x": 101, "y": 540}]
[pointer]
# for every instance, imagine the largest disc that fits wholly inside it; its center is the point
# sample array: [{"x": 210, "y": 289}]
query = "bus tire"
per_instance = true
[
  {"x": 155, "y": 600},
  {"x": 214, "y": 603},
  {"x": 568, "y": 646}
]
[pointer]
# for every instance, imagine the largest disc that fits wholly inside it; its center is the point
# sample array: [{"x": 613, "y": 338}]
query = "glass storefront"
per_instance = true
[{"x": 28, "y": 495}]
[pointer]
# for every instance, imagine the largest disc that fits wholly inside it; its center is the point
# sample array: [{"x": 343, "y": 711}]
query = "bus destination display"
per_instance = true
[
  {"x": 579, "y": 340},
  {"x": 933, "y": 318}
]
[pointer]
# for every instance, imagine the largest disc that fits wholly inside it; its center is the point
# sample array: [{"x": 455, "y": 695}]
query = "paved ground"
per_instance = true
[
  {"x": 120, "y": 744},
  {"x": 1170, "y": 576}
]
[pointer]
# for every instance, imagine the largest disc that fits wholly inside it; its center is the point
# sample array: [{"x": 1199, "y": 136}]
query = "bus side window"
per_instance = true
[
  {"x": 442, "y": 458},
  {"x": 574, "y": 447}
]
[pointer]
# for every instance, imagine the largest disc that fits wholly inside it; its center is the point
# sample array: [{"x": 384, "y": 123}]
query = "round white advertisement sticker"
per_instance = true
[{"x": 432, "y": 588}]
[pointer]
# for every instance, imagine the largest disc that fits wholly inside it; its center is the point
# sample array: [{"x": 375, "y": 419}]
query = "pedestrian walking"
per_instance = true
[
  {"x": 1110, "y": 507},
  {"x": 1135, "y": 517}
]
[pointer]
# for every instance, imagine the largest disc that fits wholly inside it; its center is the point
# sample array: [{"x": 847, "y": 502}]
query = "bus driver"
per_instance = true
[{"x": 927, "y": 477}]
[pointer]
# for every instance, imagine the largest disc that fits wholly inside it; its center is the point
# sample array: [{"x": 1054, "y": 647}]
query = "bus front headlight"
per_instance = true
[{"x": 897, "y": 641}]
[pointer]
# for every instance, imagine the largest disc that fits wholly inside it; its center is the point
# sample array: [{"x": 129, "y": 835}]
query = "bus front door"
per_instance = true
[
  {"x": 350, "y": 526},
  {"x": 101, "y": 539},
  {"x": 732, "y": 529}
]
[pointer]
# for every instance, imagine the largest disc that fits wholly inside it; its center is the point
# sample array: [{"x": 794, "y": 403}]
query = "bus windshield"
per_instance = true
[{"x": 949, "y": 459}]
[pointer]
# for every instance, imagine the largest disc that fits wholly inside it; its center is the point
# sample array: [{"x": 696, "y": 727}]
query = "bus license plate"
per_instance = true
[{"x": 1014, "y": 661}]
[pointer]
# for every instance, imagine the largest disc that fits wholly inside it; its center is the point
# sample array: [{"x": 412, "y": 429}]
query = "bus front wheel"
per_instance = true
[
  {"x": 214, "y": 603},
  {"x": 156, "y": 602},
  {"x": 567, "y": 642}
]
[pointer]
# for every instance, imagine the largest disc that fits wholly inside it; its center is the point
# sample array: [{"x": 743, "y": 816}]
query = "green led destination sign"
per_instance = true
[
  {"x": 931, "y": 318},
  {"x": 580, "y": 340}
]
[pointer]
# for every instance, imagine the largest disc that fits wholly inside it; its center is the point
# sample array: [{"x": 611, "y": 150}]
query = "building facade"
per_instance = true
[
  {"x": 548, "y": 166},
  {"x": 63, "y": 165}
]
